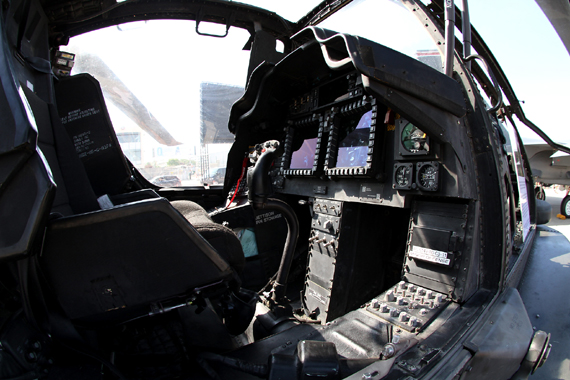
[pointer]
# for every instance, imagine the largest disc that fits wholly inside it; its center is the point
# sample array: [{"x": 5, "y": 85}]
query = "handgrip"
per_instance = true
[{"x": 259, "y": 181}]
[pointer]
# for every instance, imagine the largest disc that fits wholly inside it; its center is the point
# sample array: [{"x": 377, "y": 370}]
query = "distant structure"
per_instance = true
[{"x": 216, "y": 101}]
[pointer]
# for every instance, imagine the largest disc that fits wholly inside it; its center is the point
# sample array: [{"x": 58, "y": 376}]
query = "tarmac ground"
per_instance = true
[{"x": 545, "y": 289}]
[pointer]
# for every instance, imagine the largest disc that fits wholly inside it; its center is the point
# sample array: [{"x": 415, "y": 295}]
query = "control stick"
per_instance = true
[{"x": 259, "y": 184}]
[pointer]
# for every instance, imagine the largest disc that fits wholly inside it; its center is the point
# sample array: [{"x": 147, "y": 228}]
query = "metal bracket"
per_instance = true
[
  {"x": 496, "y": 107},
  {"x": 199, "y": 18}
]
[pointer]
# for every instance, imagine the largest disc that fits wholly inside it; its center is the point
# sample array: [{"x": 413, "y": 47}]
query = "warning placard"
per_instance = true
[{"x": 427, "y": 254}]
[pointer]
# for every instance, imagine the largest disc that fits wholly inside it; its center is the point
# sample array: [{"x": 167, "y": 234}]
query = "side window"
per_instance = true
[
  {"x": 131, "y": 146},
  {"x": 169, "y": 92}
]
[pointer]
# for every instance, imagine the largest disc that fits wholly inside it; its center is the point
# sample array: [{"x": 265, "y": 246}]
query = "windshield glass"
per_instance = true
[
  {"x": 168, "y": 92},
  {"x": 389, "y": 23},
  {"x": 291, "y": 10}
]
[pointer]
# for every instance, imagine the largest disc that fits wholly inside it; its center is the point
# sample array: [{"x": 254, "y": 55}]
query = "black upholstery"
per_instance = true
[
  {"x": 222, "y": 238},
  {"x": 121, "y": 260}
]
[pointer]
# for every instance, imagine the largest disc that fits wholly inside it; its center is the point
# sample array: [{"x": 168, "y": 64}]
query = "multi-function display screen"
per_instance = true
[
  {"x": 304, "y": 158},
  {"x": 354, "y": 135},
  {"x": 336, "y": 136}
]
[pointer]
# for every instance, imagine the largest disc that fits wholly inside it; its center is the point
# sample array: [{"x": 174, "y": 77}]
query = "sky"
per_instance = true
[{"x": 534, "y": 59}]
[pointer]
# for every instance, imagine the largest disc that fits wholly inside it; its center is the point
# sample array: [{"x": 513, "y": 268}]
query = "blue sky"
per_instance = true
[{"x": 533, "y": 58}]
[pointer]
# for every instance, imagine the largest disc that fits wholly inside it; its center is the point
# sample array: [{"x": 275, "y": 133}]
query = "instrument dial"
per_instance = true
[
  {"x": 403, "y": 176},
  {"x": 427, "y": 177},
  {"x": 414, "y": 140}
]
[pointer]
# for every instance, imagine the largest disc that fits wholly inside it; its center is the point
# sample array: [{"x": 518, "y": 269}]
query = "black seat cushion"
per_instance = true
[{"x": 220, "y": 237}]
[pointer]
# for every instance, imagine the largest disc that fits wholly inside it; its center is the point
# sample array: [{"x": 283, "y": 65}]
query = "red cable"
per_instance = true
[{"x": 239, "y": 181}]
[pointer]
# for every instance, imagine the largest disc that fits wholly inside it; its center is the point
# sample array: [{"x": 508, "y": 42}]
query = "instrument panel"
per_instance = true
[{"x": 338, "y": 132}]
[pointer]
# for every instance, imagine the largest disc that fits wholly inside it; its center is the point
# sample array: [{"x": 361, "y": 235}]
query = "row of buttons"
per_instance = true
[
  {"x": 408, "y": 305},
  {"x": 395, "y": 313}
]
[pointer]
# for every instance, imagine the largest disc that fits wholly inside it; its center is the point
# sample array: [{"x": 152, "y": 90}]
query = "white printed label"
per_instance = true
[
  {"x": 523, "y": 202},
  {"x": 428, "y": 254},
  {"x": 267, "y": 217},
  {"x": 322, "y": 299}
]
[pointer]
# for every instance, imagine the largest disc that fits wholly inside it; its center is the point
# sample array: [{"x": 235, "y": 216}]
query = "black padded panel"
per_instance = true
[
  {"x": 222, "y": 238},
  {"x": 124, "y": 258},
  {"x": 83, "y": 112},
  {"x": 61, "y": 201},
  {"x": 34, "y": 46},
  {"x": 47, "y": 146}
]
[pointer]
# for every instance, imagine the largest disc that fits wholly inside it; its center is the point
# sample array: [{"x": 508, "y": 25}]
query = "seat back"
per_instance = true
[{"x": 83, "y": 112}]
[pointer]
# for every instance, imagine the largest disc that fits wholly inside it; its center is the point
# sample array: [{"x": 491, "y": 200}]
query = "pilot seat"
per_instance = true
[{"x": 111, "y": 256}]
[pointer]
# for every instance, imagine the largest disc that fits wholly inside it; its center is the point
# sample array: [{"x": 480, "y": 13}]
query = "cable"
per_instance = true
[{"x": 243, "y": 169}]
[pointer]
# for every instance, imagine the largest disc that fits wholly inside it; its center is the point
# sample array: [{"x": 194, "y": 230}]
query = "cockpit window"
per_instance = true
[
  {"x": 291, "y": 10},
  {"x": 389, "y": 23},
  {"x": 169, "y": 92}
]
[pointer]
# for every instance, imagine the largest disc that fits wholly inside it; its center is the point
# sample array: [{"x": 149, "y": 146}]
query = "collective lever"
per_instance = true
[{"x": 259, "y": 184}]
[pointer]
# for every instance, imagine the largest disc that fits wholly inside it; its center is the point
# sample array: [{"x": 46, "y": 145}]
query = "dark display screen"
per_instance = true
[
  {"x": 353, "y": 148},
  {"x": 304, "y": 158}
]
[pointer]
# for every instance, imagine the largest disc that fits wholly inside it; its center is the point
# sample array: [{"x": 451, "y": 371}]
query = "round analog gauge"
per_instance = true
[
  {"x": 414, "y": 139},
  {"x": 403, "y": 177},
  {"x": 427, "y": 177}
]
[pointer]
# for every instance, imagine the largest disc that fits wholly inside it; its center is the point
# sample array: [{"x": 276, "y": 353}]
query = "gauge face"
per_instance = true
[
  {"x": 414, "y": 140},
  {"x": 403, "y": 176},
  {"x": 427, "y": 177}
]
